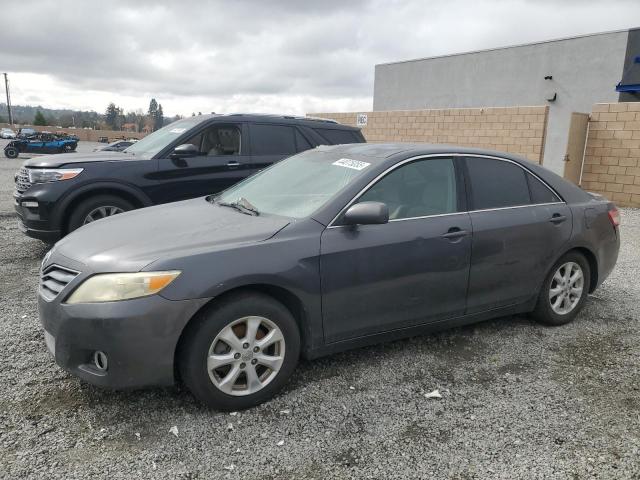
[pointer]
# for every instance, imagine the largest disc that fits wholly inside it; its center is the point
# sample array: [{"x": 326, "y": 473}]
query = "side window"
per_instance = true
[
  {"x": 418, "y": 189},
  {"x": 272, "y": 140},
  {"x": 302, "y": 143},
  {"x": 496, "y": 184},
  {"x": 218, "y": 140},
  {"x": 336, "y": 137},
  {"x": 540, "y": 193}
]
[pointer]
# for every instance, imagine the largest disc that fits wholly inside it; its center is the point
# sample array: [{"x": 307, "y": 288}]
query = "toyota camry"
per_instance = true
[{"x": 333, "y": 248}]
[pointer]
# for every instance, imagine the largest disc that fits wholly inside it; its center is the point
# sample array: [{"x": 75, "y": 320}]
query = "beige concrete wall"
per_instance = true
[
  {"x": 82, "y": 134},
  {"x": 519, "y": 130},
  {"x": 612, "y": 155}
]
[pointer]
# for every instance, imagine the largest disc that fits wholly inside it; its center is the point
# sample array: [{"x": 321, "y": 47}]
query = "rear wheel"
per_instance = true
[
  {"x": 564, "y": 291},
  {"x": 239, "y": 353},
  {"x": 97, "y": 208},
  {"x": 11, "y": 152}
]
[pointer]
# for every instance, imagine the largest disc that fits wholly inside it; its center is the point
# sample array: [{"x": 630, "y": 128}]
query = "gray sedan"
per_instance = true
[{"x": 331, "y": 249}]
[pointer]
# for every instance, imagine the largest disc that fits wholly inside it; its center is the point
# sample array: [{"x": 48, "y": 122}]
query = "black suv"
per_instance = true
[{"x": 189, "y": 158}]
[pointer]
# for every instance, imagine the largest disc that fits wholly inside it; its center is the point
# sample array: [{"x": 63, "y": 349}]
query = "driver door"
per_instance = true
[
  {"x": 407, "y": 272},
  {"x": 222, "y": 161}
]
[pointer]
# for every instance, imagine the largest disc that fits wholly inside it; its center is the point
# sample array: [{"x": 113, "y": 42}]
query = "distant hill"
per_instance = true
[{"x": 24, "y": 114}]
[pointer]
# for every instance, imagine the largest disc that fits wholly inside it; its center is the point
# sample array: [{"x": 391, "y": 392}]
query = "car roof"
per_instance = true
[{"x": 313, "y": 122}]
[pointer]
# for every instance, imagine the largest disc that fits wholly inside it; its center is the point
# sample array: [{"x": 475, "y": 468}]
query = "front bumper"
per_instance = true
[
  {"x": 35, "y": 222},
  {"x": 138, "y": 336}
]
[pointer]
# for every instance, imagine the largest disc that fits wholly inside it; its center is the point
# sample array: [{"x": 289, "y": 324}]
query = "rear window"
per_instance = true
[
  {"x": 540, "y": 193},
  {"x": 497, "y": 184},
  {"x": 272, "y": 140},
  {"x": 336, "y": 137},
  {"x": 302, "y": 143}
]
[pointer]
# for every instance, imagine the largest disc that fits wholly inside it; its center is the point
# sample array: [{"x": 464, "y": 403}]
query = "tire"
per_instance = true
[
  {"x": 11, "y": 152},
  {"x": 202, "y": 338},
  {"x": 111, "y": 203},
  {"x": 547, "y": 310}
]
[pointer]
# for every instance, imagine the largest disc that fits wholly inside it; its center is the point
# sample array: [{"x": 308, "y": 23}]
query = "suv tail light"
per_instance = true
[{"x": 614, "y": 216}]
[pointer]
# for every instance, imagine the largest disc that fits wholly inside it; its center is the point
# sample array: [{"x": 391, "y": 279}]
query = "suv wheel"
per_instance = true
[
  {"x": 239, "y": 353},
  {"x": 564, "y": 291},
  {"x": 11, "y": 152},
  {"x": 97, "y": 208}
]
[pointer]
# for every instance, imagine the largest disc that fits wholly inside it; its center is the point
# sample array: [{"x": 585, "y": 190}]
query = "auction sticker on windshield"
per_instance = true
[
  {"x": 355, "y": 164},
  {"x": 178, "y": 130}
]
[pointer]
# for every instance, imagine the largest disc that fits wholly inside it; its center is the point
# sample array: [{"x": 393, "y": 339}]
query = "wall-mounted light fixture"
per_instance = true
[{"x": 555, "y": 94}]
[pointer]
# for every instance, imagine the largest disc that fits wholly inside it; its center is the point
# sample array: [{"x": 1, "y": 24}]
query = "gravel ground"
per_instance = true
[{"x": 519, "y": 400}]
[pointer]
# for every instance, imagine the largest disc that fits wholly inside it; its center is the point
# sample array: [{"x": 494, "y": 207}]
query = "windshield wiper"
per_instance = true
[{"x": 242, "y": 205}]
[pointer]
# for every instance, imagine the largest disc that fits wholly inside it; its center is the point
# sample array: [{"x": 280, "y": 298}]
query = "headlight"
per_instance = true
[
  {"x": 44, "y": 175},
  {"x": 111, "y": 287}
]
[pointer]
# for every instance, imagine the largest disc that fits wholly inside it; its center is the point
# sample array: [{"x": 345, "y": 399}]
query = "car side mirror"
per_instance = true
[
  {"x": 184, "y": 151},
  {"x": 366, "y": 213}
]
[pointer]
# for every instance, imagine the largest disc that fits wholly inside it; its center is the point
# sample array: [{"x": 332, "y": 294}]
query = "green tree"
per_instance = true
[
  {"x": 39, "y": 119},
  {"x": 158, "y": 118},
  {"x": 153, "y": 108},
  {"x": 111, "y": 116}
]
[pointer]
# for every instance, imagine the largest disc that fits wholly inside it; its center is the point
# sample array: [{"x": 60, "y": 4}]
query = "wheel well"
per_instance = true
[
  {"x": 282, "y": 295},
  {"x": 593, "y": 266},
  {"x": 92, "y": 193}
]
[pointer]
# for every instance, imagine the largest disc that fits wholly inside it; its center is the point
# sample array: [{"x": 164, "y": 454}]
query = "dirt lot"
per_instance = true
[{"x": 519, "y": 400}]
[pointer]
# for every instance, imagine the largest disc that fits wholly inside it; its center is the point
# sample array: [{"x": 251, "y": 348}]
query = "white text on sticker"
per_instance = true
[{"x": 355, "y": 164}]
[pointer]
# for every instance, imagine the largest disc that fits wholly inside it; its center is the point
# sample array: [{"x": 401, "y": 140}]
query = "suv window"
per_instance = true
[
  {"x": 218, "y": 139},
  {"x": 421, "y": 188},
  {"x": 272, "y": 140},
  {"x": 302, "y": 143},
  {"x": 336, "y": 137},
  {"x": 496, "y": 184},
  {"x": 540, "y": 193}
]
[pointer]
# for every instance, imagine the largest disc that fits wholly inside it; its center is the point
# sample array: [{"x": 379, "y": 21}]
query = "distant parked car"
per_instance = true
[
  {"x": 117, "y": 146},
  {"x": 7, "y": 133},
  {"x": 26, "y": 132},
  {"x": 334, "y": 248},
  {"x": 40, "y": 143},
  {"x": 189, "y": 158}
]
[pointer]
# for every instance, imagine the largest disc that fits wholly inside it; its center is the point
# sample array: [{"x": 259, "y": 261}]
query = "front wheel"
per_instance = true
[
  {"x": 239, "y": 353},
  {"x": 11, "y": 152},
  {"x": 97, "y": 208},
  {"x": 564, "y": 291}
]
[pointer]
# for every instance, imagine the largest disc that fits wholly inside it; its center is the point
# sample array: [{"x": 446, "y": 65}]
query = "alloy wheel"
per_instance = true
[
  {"x": 566, "y": 288},
  {"x": 100, "y": 213},
  {"x": 246, "y": 356}
]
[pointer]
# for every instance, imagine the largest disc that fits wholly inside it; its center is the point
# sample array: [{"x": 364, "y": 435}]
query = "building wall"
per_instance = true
[
  {"x": 585, "y": 71},
  {"x": 612, "y": 156},
  {"x": 81, "y": 133},
  {"x": 519, "y": 130}
]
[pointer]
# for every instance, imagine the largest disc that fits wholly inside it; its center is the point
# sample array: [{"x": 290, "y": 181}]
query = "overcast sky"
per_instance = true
[{"x": 281, "y": 56}]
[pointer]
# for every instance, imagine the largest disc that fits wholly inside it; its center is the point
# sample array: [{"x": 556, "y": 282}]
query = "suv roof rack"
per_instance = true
[{"x": 288, "y": 117}]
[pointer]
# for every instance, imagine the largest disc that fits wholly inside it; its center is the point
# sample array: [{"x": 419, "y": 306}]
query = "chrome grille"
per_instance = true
[
  {"x": 54, "y": 279},
  {"x": 22, "y": 180}
]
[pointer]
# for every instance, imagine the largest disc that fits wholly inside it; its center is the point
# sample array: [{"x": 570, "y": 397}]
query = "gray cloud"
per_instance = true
[{"x": 253, "y": 50}]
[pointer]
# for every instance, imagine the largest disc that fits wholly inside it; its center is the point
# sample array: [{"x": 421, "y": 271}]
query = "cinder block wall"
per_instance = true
[
  {"x": 612, "y": 156},
  {"x": 519, "y": 130}
]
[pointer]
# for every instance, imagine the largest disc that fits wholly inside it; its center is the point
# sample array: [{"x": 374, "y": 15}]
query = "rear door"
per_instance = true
[
  {"x": 519, "y": 227},
  {"x": 223, "y": 161}
]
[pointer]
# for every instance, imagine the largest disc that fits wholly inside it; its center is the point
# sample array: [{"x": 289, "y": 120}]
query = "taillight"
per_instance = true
[{"x": 614, "y": 216}]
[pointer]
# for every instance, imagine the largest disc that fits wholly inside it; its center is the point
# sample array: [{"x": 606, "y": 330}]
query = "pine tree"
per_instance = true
[
  {"x": 39, "y": 119},
  {"x": 111, "y": 116},
  {"x": 158, "y": 119}
]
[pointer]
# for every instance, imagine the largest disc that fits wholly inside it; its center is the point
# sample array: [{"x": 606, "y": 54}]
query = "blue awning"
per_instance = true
[{"x": 631, "y": 87}]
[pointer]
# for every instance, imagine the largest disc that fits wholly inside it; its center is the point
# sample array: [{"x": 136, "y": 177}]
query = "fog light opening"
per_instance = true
[{"x": 100, "y": 360}]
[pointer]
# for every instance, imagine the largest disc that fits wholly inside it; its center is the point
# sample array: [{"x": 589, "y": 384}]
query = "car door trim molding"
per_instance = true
[{"x": 444, "y": 155}]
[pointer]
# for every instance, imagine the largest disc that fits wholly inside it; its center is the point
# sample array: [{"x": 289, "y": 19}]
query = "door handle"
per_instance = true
[
  {"x": 557, "y": 218},
  {"x": 455, "y": 233},
  {"x": 233, "y": 163}
]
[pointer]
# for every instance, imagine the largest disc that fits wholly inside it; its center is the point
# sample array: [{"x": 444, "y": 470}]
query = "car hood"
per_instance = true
[
  {"x": 130, "y": 241},
  {"x": 54, "y": 161}
]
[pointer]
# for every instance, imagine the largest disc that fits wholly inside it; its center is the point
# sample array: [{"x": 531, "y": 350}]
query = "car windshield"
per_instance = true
[
  {"x": 156, "y": 141},
  {"x": 295, "y": 187}
]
